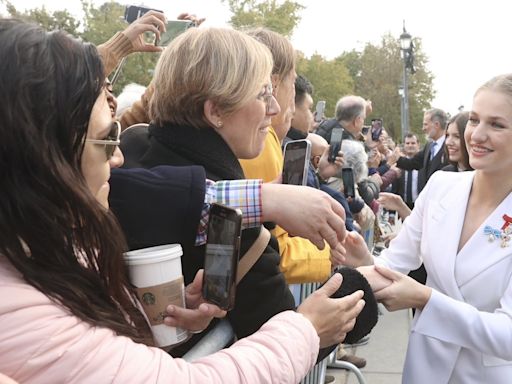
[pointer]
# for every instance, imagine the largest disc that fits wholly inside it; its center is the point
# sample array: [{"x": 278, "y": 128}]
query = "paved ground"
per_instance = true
[{"x": 384, "y": 353}]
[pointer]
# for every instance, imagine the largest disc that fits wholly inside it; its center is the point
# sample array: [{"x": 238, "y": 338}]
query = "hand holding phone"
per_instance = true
[
  {"x": 335, "y": 144},
  {"x": 221, "y": 256},
  {"x": 297, "y": 154}
]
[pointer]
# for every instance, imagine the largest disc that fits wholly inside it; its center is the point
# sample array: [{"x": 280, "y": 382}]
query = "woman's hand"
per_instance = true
[
  {"x": 356, "y": 251},
  {"x": 404, "y": 292},
  {"x": 332, "y": 318},
  {"x": 393, "y": 202},
  {"x": 376, "y": 280},
  {"x": 152, "y": 21},
  {"x": 198, "y": 313}
]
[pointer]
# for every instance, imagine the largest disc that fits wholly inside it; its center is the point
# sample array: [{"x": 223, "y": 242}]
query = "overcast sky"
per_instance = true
[{"x": 466, "y": 41}]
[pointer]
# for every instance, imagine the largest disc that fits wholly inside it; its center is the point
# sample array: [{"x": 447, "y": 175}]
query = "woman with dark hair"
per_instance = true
[
  {"x": 455, "y": 146},
  {"x": 68, "y": 313}
]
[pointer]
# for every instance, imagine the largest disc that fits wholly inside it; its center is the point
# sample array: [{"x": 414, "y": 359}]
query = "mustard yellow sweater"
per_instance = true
[{"x": 301, "y": 260}]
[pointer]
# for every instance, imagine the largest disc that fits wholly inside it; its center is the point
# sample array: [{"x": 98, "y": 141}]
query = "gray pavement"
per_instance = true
[{"x": 384, "y": 353}]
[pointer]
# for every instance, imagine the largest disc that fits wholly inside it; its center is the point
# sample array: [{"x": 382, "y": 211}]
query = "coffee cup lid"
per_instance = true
[{"x": 153, "y": 254}]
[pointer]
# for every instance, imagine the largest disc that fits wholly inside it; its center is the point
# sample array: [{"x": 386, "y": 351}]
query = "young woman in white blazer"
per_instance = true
[{"x": 460, "y": 229}]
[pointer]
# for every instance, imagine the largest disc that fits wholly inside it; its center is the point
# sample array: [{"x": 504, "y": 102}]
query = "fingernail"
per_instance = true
[{"x": 170, "y": 309}]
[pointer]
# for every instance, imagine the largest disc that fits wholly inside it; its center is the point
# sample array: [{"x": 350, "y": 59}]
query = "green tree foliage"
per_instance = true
[
  {"x": 279, "y": 17},
  {"x": 377, "y": 72},
  {"x": 49, "y": 20},
  {"x": 330, "y": 78}
]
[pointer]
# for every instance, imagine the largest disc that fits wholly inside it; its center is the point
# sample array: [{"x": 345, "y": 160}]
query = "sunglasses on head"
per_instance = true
[{"x": 111, "y": 142}]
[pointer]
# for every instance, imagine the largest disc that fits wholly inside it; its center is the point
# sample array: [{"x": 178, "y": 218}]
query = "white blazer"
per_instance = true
[{"x": 464, "y": 333}]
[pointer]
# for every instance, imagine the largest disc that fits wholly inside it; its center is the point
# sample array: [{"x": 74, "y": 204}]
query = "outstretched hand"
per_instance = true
[
  {"x": 356, "y": 251},
  {"x": 304, "y": 212},
  {"x": 198, "y": 313},
  {"x": 403, "y": 292},
  {"x": 332, "y": 318}
]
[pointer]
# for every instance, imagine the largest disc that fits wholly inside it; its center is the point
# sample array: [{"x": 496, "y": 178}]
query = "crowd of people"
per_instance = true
[{"x": 87, "y": 176}]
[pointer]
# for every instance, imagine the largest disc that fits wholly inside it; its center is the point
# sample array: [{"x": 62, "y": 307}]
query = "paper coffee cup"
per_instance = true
[{"x": 156, "y": 274}]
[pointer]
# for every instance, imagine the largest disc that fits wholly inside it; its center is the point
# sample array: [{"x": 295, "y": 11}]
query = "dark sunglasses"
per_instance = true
[{"x": 111, "y": 142}]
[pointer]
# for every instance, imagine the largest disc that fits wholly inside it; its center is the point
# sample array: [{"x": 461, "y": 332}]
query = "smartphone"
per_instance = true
[
  {"x": 173, "y": 28},
  {"x": 335, "y": 144},
  {"x": 347, "y": 175},
  {"x": 221, "y": 256},
  {"x": 376, "y": 129},
  {"x": 133, "y": 12},
  {"x": 320, "y": 109},
  {"x": 297, "y": 154}
]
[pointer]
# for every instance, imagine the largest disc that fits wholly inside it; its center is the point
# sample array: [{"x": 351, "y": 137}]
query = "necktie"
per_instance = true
[
  {"x": 408, "y": 188},
  {"x": 432, "y": 149}
]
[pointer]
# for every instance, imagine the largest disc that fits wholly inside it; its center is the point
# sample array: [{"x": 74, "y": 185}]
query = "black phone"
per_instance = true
[
  {"x": 376, "y": 129},
  {"x": 221, "y": 256},
  {"x": 173, "y": 28},
  {"x": 335, "y": 144},
  {"x": 319, "y": 112},
  {"x": 347, "y": 175},
  {"x": 297, "y": 154},
  {"x": 133, "y": 12}
]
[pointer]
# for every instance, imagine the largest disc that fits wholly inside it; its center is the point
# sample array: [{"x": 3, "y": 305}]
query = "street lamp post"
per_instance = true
[{"x": 406, "y": 47}]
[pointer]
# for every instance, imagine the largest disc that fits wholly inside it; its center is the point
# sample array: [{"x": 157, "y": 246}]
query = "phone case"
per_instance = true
[
  {"x": 221, "y": 256},
  {"x": 297, "y": 154}
]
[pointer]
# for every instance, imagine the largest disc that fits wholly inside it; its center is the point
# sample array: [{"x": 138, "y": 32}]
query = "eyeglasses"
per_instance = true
[
  {"x": 268, "y": 95},
  {"x": 111, "y": 142}
]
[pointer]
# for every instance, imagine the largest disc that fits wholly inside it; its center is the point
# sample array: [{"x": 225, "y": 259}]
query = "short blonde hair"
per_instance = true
[
  {"x": 218, "y": 64},
  {"x": 281, "y": 48}
]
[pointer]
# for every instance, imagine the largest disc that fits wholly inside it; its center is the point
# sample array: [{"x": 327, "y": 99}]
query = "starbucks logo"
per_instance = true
[{"x": 148, "y": 298}]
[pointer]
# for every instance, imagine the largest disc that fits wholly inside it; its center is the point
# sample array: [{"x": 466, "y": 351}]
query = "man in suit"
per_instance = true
[
  {"x": 432, "y": 157},
  {"x": 407, "y": 185},
  {"x": 427, "y": 161}
]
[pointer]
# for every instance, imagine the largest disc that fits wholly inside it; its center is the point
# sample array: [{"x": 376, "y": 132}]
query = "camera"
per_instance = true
[{"x": 133, "y": 12}]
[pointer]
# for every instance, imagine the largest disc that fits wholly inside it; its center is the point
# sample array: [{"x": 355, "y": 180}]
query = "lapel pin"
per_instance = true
[{"x": 504, "y": 234}]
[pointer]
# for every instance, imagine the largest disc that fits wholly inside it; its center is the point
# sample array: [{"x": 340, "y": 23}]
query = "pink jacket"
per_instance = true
[{"x": 41, "y": 342}]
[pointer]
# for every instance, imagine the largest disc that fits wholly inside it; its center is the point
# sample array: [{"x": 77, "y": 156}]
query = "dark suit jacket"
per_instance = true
[{"x": 421, "y": 161}]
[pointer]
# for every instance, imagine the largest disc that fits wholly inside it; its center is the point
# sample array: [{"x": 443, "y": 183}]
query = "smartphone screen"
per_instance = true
[
  {"x": 173, "y": 28},
  {"x": 297, "y": 154},
  {"x": 335, "y": 144},
  {"x": 376, "y": 129},
  {"x": 347, "y": 175},
  {"x": 221, "y": 256},
  {"x": 320, "y": 108}
]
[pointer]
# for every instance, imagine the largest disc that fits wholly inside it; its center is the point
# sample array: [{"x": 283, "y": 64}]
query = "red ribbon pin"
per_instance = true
[{"x": 508, "y": 221}]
